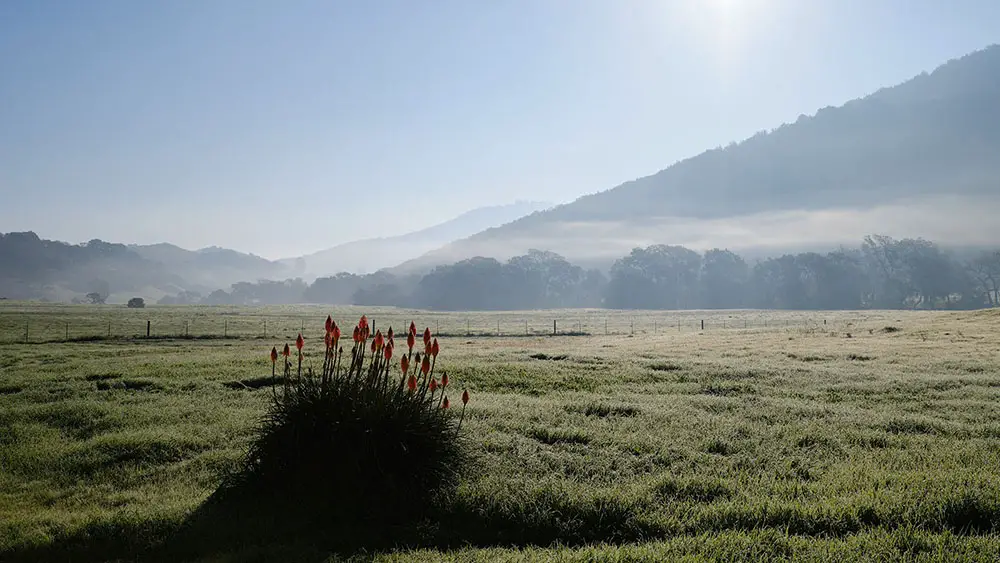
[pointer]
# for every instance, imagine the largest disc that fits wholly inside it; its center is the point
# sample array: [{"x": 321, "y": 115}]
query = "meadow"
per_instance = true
[{"x": 627, "y": 436}]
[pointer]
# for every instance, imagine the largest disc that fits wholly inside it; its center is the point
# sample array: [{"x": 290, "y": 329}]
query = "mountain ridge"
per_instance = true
[{"x": 897, "y": 151}]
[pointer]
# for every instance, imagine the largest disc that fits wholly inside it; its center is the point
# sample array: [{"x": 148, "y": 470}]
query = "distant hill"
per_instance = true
[
  {"x": 917, "y": 159},
  {"x": 370, "y": 255},
  {"x": 212, "y": 267},
  {"x": 35, "y": 268}
]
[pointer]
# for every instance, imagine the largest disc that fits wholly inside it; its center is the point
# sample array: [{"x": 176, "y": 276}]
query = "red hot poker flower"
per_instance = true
[
  {"x": 411, "y": 383},
  {"x": 413, "y": 328},
  {"x": 299, "y": 342},
  {"x": 465, "y": 397},
  {"x": 379, "y": 341},
  {"x": 388, "y": 335},
  {"x": 404, "y": 364},
  {"x": 446, "y": 403},
  {"x": 287, "y": 351},
  {"x": 363, "y": 323},
  {"x": 427, "y": 336},
  {"x": 410, "y": 341},
  {"x": 329, "y": 324},
  {"x": 425, "y": 366},
  {"x": 433, "y": 385},
  {"x": 336, "y": 333},
  {"x": 373, "y": 345},
  {"x": 328, "y": 340},
  {"x": 444, "y": 379},
  {"x": 387, "y": 352},
  {"x": 434, "y": 348},
  {"x": 274, "y": 355}
]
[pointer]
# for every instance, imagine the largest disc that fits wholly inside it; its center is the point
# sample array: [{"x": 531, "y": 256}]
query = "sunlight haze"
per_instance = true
[{"x": 286, "y": 128}]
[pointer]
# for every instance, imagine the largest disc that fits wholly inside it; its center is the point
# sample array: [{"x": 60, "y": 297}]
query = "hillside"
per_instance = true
[
  {"x": 35, "y": 268},
  {"x": 370, "y": 255},
  {"x": 916, "y": 159}
]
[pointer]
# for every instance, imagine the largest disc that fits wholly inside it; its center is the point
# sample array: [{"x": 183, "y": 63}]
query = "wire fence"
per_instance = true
[{"x": 93, "y": 324}]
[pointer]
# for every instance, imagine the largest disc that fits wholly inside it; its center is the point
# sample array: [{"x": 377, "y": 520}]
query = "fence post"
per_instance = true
[
  {"x": 225, "y": 329},
  {"x": 703, "y": 324},
  {"x": 67, "y": 331},
  {"x": 498, "y": 327},
  {"x": 553, "y": 327},
  {"x": 25, "y": 332},
  {"x": 744, "y": 323},
  {"x": 185, "y": 329},
  {"x": 147, "y": 328},
  {"x": 526, "y": 327},
  {"x": 605, "y": 326},
  {"x": 109, "y": 329},
  {"x": 468, "y": 331},
  {"x": 654, "y": 327}
]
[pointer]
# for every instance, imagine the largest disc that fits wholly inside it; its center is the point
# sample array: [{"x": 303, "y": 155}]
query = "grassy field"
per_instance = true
[{"x": 822, "y": 437}]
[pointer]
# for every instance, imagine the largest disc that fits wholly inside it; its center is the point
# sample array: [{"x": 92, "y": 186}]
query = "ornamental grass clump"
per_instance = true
[{"x": 368, "y": 434}]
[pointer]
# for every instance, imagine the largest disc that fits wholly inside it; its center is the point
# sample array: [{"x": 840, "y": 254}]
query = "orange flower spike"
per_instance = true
[
  {"x": 410, "y": 341},
  {"x": 274, "y": 355},
  {"x": 404, "y": 364},
  {"x": 411, "y": 383},
  {"x": 387, "y": 353},
  {"x": 328, "y": 340},
  {"x": 287, "y": 351},
  {"x": 329, "y": 324},
  {"x": 444, "y": 379},
  {"x": 379, "y": 340},
  {"x": 373, "y": 345},
  {"x": 336, "y": 333},
  {"x": 300, "y": 342},
  {"x": 388, "y": 335},
  {"x": 413, "y": 328},
  {"x": 446, "y": 403},
  {"x": 434, "y": 348},
  {"x": 425, "y": 366},
  {"x": 433, "y": 385},
  {"x": 363, "y": 323},
  {"x": 465, "y": 397},
  {"x": 427, "y": 336}
]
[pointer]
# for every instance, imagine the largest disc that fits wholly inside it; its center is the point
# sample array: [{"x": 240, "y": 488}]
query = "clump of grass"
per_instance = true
[
  {"x": 697, "y": 490},
  {"x": 891, "y": 329},
  {"x": 559, "y": 436},
  {"x": 605, "y": 410},
  {"x": 366, "y": 437},
  {"x": 543, "y": 356},
  {"x": 859, "y": 358},
  {"x": 719, "y": 447}
]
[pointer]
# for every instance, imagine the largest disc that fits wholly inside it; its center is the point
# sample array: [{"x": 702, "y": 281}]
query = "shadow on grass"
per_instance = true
[{"x": 270, "y": 529}]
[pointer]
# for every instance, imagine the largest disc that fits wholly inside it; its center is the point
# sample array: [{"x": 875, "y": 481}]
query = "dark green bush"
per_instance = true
[{"x": 369, "y": 437}]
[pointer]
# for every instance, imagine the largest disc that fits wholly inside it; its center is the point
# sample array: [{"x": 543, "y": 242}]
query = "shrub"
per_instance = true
[
  {"x": 136, "y": 303},
  {"x": 368, "y": 436}
]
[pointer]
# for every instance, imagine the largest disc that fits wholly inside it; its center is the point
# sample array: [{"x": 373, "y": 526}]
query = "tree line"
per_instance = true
[{"x": 881, "y": 273}]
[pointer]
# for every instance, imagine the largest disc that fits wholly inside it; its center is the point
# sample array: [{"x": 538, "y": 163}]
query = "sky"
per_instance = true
[{"x": 281, "y": 128}]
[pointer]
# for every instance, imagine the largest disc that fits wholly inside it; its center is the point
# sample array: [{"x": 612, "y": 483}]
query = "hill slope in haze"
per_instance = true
[
  {"x": 35, "y": 268},
  {"x": 369, "y": 255},
  {"x": 917, "y": 159}
]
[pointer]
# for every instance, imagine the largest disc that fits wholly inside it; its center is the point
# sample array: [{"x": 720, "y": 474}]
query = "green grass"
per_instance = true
[{"x": 789, "y": 442}]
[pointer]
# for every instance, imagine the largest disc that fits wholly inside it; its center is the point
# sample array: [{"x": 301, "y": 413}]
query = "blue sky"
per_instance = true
[{"x": 281, "y": 128}]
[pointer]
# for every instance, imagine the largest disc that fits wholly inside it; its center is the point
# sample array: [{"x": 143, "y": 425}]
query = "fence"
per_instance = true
[{"x": 27, "y": 326}]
